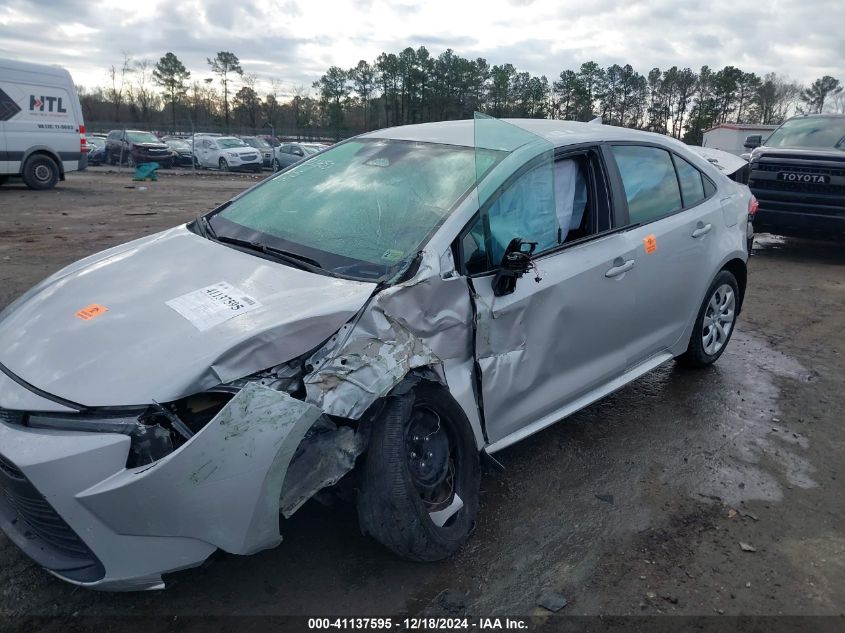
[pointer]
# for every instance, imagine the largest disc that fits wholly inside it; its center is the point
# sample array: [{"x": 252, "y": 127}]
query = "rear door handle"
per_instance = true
[
  {"x": 702, "y": 230},
  {"x": 621, "y": 267}
]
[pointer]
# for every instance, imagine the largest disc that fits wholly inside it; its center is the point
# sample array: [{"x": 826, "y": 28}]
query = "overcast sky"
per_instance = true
[{"x": 294, "y": 41}]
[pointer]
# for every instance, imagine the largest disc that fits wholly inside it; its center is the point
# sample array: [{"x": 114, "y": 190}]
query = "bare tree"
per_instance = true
[
  {"x": 140, "y": 92},
  {"x": 117, "y": 78},
  {"x": 775, "y": 97}
]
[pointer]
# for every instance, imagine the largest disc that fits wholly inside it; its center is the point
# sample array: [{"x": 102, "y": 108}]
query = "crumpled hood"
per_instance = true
[{"x": 141, "y": 349}]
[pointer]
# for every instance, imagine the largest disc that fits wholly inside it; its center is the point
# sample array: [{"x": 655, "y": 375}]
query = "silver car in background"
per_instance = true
[
  {"x": 370, "y": 321},
  {"x": 226, "y": 153}
]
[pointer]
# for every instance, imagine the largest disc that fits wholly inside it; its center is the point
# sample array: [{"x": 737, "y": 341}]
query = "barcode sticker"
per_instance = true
[{"x": 213, "y": 305}]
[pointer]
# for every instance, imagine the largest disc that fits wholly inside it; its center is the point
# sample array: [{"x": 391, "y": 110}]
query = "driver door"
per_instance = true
[{"x": 549, "y": 342}]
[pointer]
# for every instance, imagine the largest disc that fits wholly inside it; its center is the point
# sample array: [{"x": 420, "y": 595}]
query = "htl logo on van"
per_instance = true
[{"x": 53, "y": 104}]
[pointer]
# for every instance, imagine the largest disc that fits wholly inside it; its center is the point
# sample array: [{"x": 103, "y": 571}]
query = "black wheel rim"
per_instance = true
[{"x": 433, "y": 457}]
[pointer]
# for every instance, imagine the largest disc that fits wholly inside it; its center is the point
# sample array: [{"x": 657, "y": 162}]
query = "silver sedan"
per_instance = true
[{"x": 369, "y": 322}]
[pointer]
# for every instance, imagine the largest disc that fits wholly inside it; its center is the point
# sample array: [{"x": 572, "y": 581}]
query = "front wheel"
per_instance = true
[
  {"x": 421, "y": 476},
  {"x": 40, "y": 172},
  {"x": 715, "y": 322},
  {"x": 223, "y": 165},
  {"x": 277, "y": 166}
]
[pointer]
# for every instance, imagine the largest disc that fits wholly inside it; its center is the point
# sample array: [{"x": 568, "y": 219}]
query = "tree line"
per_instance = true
[{"x": 413, "y": 86}]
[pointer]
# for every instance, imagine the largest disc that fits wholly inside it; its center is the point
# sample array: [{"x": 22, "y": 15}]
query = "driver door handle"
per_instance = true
[
  {"x": 702, "y": 229},
  {"x": 620, "y": 267}
]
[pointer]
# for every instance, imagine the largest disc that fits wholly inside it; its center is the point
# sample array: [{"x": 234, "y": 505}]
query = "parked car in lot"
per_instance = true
[
  {"x": 226, "y": 153},
  {"x": 263, "y": 147},
  {"x": 182, "y": 152},
  {"x": 372, "y": 320},
  {"x": 134, "y": 147},
  {"x": 287, "y": 154},
  {"x": 799, "y": 176},
  {"x": 96, "y": 150}
]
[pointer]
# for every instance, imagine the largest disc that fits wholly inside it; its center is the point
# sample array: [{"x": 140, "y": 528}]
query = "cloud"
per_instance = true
[{"x": 294, "y": 41}]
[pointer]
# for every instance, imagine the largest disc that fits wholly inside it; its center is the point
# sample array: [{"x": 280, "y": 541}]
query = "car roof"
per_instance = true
[{"x": 558, "y": 133}]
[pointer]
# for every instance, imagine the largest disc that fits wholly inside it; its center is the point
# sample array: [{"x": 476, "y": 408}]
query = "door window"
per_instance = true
[
  {"x": 552, "y": 204},
  {"x": 651, "y": 186}
]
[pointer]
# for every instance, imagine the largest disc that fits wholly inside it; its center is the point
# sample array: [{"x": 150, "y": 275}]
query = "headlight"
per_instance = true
[
  {"x": 233, "y": 154},
  {"x": 150, "y": 442}
]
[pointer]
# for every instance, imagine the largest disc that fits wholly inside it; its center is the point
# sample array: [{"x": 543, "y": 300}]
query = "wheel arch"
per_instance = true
[
  {"x": 739, "y": 269},
  {"x": 43, "y": 150}
]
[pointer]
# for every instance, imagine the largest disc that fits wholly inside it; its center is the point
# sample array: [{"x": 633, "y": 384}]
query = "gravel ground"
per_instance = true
[{"x": 639, "y": 504}]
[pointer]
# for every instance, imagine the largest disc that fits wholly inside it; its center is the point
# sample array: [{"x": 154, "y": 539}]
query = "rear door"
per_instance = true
[{"x": 674, "y": 220}]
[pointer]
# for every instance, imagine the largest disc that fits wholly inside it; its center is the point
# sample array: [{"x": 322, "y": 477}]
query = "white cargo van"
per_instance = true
[{"x": 42, "y": 136}]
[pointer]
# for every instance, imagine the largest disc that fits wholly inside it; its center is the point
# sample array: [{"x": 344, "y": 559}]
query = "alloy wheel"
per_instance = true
[{"x": 718, "y": 319}]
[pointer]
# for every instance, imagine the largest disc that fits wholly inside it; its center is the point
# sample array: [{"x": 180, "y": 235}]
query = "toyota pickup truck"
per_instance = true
[{"x": 798, "y": 177}]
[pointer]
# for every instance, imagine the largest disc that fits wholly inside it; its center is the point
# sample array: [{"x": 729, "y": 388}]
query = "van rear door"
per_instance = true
[{"x": 8, "y": 109}]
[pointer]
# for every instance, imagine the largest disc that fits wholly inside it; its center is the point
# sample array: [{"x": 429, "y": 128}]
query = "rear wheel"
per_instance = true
[
  {"x": 715, "y": 322},
  {"x": 420, "y": 482},
  {"x": 40, "y": 172},
  {"x": 223, "y": 165}
]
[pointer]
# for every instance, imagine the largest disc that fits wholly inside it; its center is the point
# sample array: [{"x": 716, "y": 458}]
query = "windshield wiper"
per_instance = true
[
  {"x": 294, "y": 259},
  {"x": 207, "y": 229}
]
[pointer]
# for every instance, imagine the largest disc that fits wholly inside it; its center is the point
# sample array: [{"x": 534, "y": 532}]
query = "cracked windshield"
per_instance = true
[{"x": 362, "y": 208}]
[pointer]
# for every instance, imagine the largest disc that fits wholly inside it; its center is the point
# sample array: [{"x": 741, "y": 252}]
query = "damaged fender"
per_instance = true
[
  {"x": 223, "y": 486},
  {"x": 423, "y": 322}
]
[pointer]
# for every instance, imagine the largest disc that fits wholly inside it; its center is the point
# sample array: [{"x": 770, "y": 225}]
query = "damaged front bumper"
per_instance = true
[{"x": 71, "y": 504}]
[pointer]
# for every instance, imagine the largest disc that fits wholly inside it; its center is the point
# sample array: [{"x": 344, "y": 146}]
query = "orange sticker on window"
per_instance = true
[
  {"x": 650, "y": 243},
  {"x": 91, "y": 312}
]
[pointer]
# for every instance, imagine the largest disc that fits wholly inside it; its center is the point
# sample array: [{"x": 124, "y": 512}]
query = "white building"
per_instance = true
[{"x": 730, "y": 137}]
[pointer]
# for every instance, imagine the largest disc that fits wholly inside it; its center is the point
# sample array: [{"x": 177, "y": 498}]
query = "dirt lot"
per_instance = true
[{"x": 636, "y": 505}]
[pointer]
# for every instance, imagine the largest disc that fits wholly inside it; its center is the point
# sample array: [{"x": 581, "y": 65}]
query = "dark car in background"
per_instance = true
[
  {"x": 97, "y": 150},
  {"x": 798, "y": 177},
  {"x": 182, "y": 152},
  {"x": 272, "y": 140},
  {"x": 264, "y": 148},
  {"x": 289, "y": 153},
  {"x": 134, "y": 147}
]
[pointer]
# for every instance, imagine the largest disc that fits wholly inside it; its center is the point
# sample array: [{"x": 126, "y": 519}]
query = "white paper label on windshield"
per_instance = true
[{"x": 213, "y": 305}]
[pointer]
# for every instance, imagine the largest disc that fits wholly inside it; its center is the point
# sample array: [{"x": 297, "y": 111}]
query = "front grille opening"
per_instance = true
[
  {"x": 40, "y": 532},
  {"x": 11, "y": 417},
  {"x": 800, "y": 169},
  {"x": 801, "y": 187}
]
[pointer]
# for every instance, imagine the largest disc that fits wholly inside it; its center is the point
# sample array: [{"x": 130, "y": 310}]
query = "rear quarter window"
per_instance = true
[{"x": 692, "y": 182}]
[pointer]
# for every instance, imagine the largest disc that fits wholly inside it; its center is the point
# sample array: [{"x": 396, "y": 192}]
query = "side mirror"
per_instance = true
[
  {"x": 753, "y": 140},
  {"x": 515, "y": 263}
]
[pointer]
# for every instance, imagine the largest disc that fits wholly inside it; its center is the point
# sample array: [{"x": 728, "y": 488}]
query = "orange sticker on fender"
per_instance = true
[
  {"x": 91, "y": 312},
  {"x": 650, "y": 243}
]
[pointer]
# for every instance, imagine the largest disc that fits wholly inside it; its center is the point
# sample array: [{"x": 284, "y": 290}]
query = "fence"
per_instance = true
[{"x": 188, "y": 128}]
